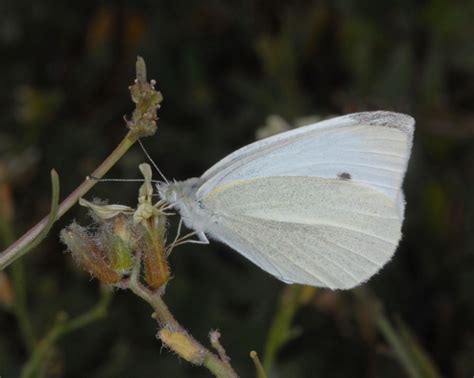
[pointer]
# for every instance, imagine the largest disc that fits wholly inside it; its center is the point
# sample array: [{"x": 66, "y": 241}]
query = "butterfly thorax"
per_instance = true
[{"x": 182, "y": 196}]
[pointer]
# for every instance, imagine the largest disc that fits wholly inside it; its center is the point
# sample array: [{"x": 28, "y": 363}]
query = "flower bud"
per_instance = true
[
  {"x": 121, "y": 244},
  {"x": 88, "y": 255},
  {"x": 157, "y": 270},
  {"x": 184, "y": 345},
  {"x": 121, "y": 233},
  {"x": 147, "y": 100}
]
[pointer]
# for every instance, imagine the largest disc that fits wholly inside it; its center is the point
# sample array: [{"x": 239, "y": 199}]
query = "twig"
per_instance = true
[
  {"x": 217, "y": 367},
  {"x": 32, "y": 237},
  {"x": 143, "y": 123},
  {"x": 214, "y": 337},
  {"x": 172, "y": 328},
  {"x": 162, "y": 314}
]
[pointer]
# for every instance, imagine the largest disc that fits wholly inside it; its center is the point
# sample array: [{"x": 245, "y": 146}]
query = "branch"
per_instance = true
[
  {"x": 173, "y": 335},
  {"x": 34, "y": 236},
  {"x": 143, "y": 123}
]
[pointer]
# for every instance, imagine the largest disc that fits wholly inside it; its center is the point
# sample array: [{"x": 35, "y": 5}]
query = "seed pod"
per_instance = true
[
  {"x": 88, "y": 255},
  {"x": 184, "y": 345},
  {"x": 121, "y": 244},
  {"x": 157, "y": 271}
]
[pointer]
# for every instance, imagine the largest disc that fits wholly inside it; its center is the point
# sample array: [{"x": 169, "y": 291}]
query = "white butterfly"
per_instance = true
[{"x": 320, "y": 205}]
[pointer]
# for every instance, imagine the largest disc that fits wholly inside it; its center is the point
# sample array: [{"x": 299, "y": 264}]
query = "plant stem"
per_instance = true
[
  {"x": 162, "y": 313},
  {"x": 20, "y": 306},
  {"x": 281, "y": 330},
  {"x": 19, "y": 286},
  {"x": 14, "y": 251},
  {"x": 395, "y": 341},
  {"x": 61, "y": 327},
  {"x": 217, "y": 367},
  {"x": 164, "y": 317},
  {"x": 258, "y": 365}
]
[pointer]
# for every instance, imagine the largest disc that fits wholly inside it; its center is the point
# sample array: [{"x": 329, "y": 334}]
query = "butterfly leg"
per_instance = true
[
  {"x": 173, "y": 244},
  {"x": 202, "y": 238}
]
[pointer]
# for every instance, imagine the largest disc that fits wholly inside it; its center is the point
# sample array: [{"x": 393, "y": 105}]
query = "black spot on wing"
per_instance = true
[{"x": 344, "y": 176}]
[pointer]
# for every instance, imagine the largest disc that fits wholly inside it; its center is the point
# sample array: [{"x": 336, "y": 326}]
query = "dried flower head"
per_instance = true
[
  {"x": 147, "y": 100},
  {"x": 108, "y": 250}
]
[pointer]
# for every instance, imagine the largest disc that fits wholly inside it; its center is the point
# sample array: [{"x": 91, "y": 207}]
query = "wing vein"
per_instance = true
[
  {"x": 326, "y": 280},
  {"x": 280, "y": 253},
  {"x": 340, "y": 266},
  {"x": 377, "y": 153},
  {"x": 354, "y": 253},
  {"x": 344, "y": 227},
  {"x": 346, "y": 163}
]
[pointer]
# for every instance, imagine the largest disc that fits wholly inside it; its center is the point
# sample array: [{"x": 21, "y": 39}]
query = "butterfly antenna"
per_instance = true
[
  {"x": 115, "y": 180},
  {"x": 152, "y": 162}
]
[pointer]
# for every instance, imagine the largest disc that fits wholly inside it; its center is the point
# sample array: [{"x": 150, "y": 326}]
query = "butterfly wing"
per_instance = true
[
  {"x": 319, "y": 205},
  {"x": 370, "y": 148},
  {"x": 322, "y": 232}
]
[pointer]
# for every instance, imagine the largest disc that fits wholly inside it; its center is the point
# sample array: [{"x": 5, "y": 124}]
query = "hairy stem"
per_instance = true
[
  {"x": 162, "y": 314},
  {"x": 217, "y": 367}
]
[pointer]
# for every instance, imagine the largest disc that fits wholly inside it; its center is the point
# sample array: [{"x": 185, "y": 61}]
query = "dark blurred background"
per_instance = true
[{"x": 223, "y": 67}]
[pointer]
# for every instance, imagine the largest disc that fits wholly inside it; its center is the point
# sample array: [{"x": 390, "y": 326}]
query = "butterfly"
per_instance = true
[{"x": 320, "y": 205}]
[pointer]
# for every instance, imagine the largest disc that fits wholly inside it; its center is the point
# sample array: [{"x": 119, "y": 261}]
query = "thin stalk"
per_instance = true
[
  {"x": 20, "y": 246},
  {"x": 61, "y": 327},
  {"x": 217, "y": 367},
  {"x": 20, "y": 307},
  {"x": 162, "y": 314},
  {"x": 282, "y": 329},
  {"x": 258, "y": 365},
  {"x": 164, "y": 317},
  {"x": 398, "y": 346}
]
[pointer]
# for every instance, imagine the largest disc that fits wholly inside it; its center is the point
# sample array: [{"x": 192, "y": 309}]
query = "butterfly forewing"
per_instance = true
[{"x": 370, "y": 148}]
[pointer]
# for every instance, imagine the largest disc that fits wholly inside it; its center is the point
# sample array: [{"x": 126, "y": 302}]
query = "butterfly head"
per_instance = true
[
  {"x": 177, "y": 192},
  {"x": 182, "y": 196}
]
